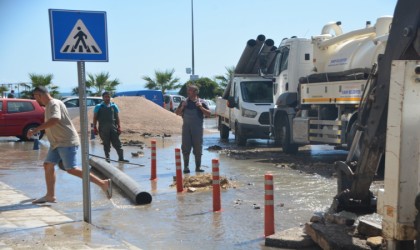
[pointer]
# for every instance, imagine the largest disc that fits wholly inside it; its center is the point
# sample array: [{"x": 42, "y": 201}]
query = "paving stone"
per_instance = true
[
  {"x": 294, "y": 238},
  {"x": 335, "y": 237},
  {"x": 369, "y": 228},
  {"x": 29, "y": 226}
]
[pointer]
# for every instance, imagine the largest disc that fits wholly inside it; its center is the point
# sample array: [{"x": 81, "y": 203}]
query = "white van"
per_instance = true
[
  {"x": 171, "y": 102},
  {"x": 246, "y": 110},
  {"x": 72, "y": 104}
]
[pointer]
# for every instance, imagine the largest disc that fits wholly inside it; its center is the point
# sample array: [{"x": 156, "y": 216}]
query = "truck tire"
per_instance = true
[
  {"x": 240, "y": 140},
  {"x": 283, "y": 136},
  {"x": 224, "y": 130}
]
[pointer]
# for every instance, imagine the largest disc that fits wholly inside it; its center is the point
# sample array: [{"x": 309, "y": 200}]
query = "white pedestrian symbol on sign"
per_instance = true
[{"x": 80, "y": 41}]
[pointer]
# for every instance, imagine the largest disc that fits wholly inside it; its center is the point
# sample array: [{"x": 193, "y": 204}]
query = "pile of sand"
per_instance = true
[{"x": 140, "y": 116}]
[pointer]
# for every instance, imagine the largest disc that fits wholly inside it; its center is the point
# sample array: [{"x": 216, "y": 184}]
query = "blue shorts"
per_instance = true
[{"x": 65, "y": 154}]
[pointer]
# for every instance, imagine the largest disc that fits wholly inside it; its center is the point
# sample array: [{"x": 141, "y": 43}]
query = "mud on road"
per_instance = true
[{"x": 310, "y": 159}]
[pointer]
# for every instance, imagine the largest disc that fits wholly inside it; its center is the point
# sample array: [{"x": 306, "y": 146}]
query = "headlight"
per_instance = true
[{"x": 249, "y": 113}]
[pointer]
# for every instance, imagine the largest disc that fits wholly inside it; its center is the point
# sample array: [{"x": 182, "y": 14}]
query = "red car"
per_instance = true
[{"x": 17, "y": 116}]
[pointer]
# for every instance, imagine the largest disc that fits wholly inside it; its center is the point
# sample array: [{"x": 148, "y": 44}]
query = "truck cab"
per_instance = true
[
  {"x": 245, "y": 112},
  {"x": 293, "y": 60}
]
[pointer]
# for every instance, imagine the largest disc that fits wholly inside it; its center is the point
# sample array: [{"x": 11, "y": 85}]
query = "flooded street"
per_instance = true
[{"x": 186, "y": 220}]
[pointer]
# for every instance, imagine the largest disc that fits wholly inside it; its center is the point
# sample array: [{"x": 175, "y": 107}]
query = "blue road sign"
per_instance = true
[{"x": 78, "y": 35}]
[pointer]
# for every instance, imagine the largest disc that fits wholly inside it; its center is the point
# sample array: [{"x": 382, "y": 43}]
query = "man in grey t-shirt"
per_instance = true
[{"x": 64, "y": 142}]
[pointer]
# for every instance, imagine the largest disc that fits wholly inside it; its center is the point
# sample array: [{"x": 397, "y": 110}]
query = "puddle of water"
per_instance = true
[{"x": 178, "y": 221}]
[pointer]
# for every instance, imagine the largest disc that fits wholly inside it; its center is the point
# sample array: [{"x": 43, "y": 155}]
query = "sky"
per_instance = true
[{"x": 145, "y": 36}]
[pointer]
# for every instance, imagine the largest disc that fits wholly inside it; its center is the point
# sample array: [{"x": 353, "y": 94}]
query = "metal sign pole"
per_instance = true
[{"x": 84, "y": 141}]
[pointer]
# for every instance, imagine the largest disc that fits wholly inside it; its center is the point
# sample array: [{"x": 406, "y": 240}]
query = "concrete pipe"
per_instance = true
[
  {"x": 263, "y": 56},
  {"x": 122, "y": 180},
  {"x": 255, "y": 52},
  {"x": 240, "y": 67}
]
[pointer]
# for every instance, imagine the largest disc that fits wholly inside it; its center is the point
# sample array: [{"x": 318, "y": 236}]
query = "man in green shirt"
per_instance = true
[{"x": 107, "y": 115}]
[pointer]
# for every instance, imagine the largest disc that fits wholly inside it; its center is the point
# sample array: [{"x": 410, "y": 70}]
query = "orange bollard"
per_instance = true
[
  {"x": 216, "y": 185},
  {"x": 269, "y": 205},
  {"x": 153, "y": 169},
  {"x": 179, "y": 182}
]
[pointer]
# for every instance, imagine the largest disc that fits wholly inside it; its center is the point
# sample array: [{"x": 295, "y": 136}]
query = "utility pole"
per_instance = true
[{"x": 192, "y": 38}]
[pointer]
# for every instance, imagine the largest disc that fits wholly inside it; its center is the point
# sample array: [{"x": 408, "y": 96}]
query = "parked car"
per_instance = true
[
  {"x": 72, "y": 104},
  {"x": 155, "y": 96},
  {"x": 171, "y": 102},
  {"x": 212, "y": 106},
  {"x": 17, "y": 116}
]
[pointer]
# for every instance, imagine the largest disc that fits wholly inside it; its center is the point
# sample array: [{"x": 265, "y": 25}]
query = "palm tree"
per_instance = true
[
  {"x": 163, "y": 81},
  {"x": 75, "y": 91},
  {"x": 3, "y": 89},
  {"x": 223, "y": 80},
  {"x": 45, "y": 81},
  {"x": 101, "y": 82},
  {"x": 26, "y": 92}
]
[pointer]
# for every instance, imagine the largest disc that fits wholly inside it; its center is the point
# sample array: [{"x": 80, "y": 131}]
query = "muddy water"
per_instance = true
[{"x": 180, "y": 221}]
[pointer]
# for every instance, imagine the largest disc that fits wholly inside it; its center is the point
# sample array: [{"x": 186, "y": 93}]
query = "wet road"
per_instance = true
[{"x": 180, "y": 221}]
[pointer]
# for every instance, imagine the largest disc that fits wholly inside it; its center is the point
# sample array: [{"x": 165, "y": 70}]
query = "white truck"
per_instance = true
[
  {"x": 319, "y": 82},
  {"x": 243, "y": 108},
  {"x": 245, "y": 111}
]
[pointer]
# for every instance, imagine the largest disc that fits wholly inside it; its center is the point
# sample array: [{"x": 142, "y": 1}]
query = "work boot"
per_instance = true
[
  {"x": 120, "y": 153},
  {"x": 198, "y": 165},
  {"x": 186, "y": 163}
]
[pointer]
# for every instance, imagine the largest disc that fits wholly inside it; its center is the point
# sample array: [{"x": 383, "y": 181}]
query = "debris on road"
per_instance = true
[{"x": 202, "y": 182}]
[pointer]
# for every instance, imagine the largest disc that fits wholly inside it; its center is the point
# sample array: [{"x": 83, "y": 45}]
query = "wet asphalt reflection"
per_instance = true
[{"x": 186, "y": 220}]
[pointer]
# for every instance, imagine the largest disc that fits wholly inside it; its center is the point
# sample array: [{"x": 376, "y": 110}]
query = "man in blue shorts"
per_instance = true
[
  {"x": 106, "y": 114},
  {"x": 64, "y": 142}
]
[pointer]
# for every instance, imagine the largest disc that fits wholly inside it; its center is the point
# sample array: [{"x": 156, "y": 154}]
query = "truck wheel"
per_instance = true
[
  {"x": 283, "y": 136},
  {"x": 224, "y": 130},
  {"x": 239, "y": 138}
]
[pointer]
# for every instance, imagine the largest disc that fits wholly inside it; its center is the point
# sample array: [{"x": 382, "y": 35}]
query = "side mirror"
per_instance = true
[{"x": 231, "y": 102}]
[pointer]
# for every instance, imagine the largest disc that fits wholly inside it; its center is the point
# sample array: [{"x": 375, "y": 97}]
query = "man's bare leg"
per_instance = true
[
  {"x": 49, "y": 172},
  {"x": 103, "y": 184}
]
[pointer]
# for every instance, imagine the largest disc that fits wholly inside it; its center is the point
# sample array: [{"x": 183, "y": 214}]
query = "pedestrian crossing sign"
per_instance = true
[{"x": 78, "y": 35}]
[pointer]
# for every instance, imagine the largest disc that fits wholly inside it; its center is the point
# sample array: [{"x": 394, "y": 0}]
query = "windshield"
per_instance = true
[
  {"x": 257, "y": 92},
  {"x": 281, "y": 60}
]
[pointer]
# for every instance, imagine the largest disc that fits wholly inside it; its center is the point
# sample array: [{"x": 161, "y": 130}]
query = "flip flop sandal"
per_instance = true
[
  {"x": 109, "y": 190},
  {"x": 42, "y": 200}
]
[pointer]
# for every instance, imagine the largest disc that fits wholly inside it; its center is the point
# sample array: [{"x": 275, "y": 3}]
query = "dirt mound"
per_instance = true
[{"x": 140, "y": 116}]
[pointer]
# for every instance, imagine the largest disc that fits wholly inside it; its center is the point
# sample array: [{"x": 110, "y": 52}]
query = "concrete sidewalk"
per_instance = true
[{"x": 24, "y": 225}]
